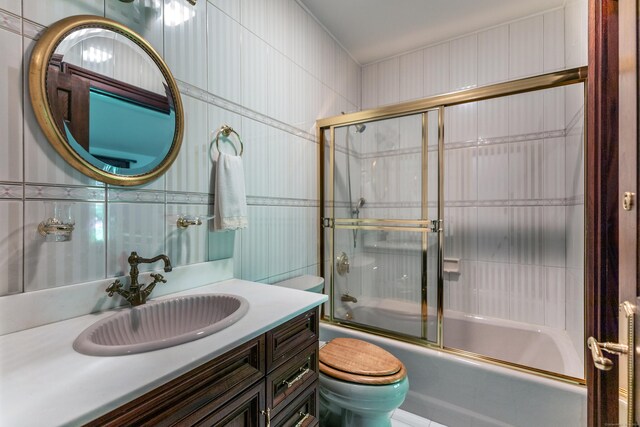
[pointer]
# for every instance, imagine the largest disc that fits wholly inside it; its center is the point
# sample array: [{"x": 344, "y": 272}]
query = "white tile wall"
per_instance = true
[
  {"x": 411, "y": 76},
  {"x": 389, "y": 81},
  {"x": 191, "y": 171},
  {"x": 11, "y": 234},
  {"x": 144, "y": 17},
  {"x": 190, "y": 245},
  {"x": 436, "y": 70},
  {"x": 464, "y": 63},
  {"x": 223, "y": 55},
  {"x": 13, "y": 6},
  {"x": 185, "y": 42},
  {"x": 11, "y": 107},
  {"x": 493, "y": 55},
  {"x": 46, "y": 13},
  {"x": 50, "y": 264},
  {"x": 138, "y": 227},
  {"x": 526, "y": 42}
]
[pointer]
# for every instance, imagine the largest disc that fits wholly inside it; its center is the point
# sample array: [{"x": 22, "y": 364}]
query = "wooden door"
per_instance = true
[{"x": 601, "y": 200}]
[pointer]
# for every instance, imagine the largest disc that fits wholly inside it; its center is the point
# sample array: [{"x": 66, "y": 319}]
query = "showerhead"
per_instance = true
[
  {"x": 360, "y": 128},
  {"x": 360, "y": 203}
]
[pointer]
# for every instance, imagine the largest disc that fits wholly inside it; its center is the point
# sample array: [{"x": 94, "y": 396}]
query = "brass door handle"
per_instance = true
[{"x": 601, "y": 362}]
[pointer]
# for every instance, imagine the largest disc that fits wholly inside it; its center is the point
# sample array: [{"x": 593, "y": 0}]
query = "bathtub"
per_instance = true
[
  {"x": 458, "y": 391},
  {"x": 535, "y": 346}
]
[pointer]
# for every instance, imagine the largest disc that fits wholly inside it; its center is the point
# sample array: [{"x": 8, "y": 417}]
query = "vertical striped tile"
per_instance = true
[
  {"x": 370, "y": 86},
  {"x": 189, "y": 245},
  {"x": 191, "y": 171},
  {"x": 13, "y": 6},
  {"x": 389, "y": 81},
  {"x": 526, "y": 113},
  {"x": 327, "y": 62},
  {"x": 493, "y": 234},
  {"x": 494, "y": 286},
  {"x": 135, "y": 227},
  {"x": 230, "y": 7},
  {"x": 493, "y": 172},
  {"x": 436, "y": 70},
  {"x": 461, "y": 123},
  {"x": 411, "y": 76},
  {"x": 463, "y": 292},
  {"x": 46, "y": 13},
  {"x": 144, "y": 17},
  {"x": 11, "y": 235},
  {"x": 527, "y": 294},
  {"x": 553, "y": 40},
  {"x": 355, "y": 84},
  {"x": 491, "y": 118},
  {"x": 555, "y": 235},
  {"x": 576, "y": 32},
  {"x": 526, "y": 170},
  {"x": 555, "y": 298},
  {"x": 526, "y": 41},
  {"x": 223, "y": 55},
  {"x": 574, "y": 284},
  {"x": 526, "y": 235},
  {"x": 464, "y": 62},
  {"x": 255, "y": 244},
  {"x": 11, "y": 146},
  {"x": 554, "y": 165},
  {"x": 185, "y": 47},
  {"x": 461, "y": 233},
  {"x": 461, "y": 169},
  {"x": 53, "y": 264},
  {"x": 493, "y": 55}
]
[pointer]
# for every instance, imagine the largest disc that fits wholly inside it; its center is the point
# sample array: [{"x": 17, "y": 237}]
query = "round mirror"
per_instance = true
[{"x": 106, "y": 100}]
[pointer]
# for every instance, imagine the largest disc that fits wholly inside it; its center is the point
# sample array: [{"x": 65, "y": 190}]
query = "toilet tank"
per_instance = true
[{"x": 304, "y": 283}]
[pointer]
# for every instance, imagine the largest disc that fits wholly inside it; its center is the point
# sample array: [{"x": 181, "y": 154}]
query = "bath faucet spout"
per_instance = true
[{"x": 348, "y": 298}]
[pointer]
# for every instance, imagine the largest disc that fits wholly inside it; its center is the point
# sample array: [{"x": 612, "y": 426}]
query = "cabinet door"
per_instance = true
[{"x": 243, "y": 411}]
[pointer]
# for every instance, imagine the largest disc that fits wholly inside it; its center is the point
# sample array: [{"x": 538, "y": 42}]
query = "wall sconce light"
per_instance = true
[{"x": 59, "y": 225}]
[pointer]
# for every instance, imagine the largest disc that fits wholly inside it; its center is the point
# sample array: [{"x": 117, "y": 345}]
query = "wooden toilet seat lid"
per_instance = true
[{"x": 361, "y": 362}]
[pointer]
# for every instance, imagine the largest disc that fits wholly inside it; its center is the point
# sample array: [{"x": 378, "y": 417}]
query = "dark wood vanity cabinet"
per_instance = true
[{"x": 268, "y": 381}]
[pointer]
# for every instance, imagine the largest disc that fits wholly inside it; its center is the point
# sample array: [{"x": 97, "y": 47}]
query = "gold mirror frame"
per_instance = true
[{"x": 38, "y": 66}]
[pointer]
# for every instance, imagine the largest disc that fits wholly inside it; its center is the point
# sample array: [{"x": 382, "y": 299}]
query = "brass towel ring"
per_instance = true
[{"x": 227, "y": 130}]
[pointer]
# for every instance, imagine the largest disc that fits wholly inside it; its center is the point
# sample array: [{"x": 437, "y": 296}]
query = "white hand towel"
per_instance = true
[{"x": 230, "y": 204}]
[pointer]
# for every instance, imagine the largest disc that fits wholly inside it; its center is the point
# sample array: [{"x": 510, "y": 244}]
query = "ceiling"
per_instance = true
[{"x": 371, "y": 30}]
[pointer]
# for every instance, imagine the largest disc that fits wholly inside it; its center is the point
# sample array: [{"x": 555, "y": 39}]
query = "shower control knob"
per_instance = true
[{"x": 342, "y": 264}]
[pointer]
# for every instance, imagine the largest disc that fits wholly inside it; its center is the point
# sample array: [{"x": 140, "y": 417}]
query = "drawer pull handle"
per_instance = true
[
  {"x": 304, "y": 418},
  {"x": 303, "y": 371},
  {"x": 267, "y": 414}
]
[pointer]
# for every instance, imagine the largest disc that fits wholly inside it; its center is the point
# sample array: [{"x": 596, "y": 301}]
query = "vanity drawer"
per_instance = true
[
  {"x": 285, "y": 341},
  {"x": 290, "y": 379},
  {"x": 302, "y": 412},
  {"x": 189, "y": 398}
]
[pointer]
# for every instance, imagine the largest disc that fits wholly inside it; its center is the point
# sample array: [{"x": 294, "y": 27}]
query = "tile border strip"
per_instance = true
[
  {"x": 210, "y": 98},
  {"x": 10, "y": 22}
]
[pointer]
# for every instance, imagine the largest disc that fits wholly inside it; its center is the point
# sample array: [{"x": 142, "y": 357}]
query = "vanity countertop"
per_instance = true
[{"x": 43, "y": 381}]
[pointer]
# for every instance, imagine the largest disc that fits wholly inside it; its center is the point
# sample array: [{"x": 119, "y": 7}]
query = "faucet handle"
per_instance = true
[
  {"x": 114, "y": 287},
  {"x": 157, "y": 278}
]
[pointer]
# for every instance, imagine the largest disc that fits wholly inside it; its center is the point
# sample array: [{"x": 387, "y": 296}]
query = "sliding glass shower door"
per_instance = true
[{"x": 382, "y": 223}]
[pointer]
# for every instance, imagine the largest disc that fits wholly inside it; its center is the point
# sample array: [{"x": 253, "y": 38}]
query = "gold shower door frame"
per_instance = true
[{"x": 425, "y": 225}]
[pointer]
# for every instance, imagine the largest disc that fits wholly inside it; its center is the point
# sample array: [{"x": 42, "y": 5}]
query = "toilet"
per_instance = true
[{"x": 361, "y": 384}]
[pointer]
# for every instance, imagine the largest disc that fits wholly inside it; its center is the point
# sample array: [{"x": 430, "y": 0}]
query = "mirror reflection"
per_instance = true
[{"x": 111, "y": 101}]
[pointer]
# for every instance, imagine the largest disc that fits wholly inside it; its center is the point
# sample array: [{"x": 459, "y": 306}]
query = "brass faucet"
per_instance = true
[
  {"x": 348, "y": 298},
  {"x": 137, "y": 294}
]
